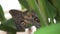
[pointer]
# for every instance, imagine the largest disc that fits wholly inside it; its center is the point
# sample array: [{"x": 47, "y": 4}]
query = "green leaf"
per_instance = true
[
  {"x": 46, "y": 7},
  {"x": 51, "y": 11},
  {"x": 8, "y": 25},
  {"x": 51, "y": 29},
  {"x": 7, "y": 28},
  {"x": 56, "y": 3},
  {"x": 24, "y": 4},
  {"x": 2, "y": 18}
]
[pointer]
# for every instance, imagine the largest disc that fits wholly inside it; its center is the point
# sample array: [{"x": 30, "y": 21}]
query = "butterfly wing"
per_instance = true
[
  {"x": 21, "y": 19},
  {"x": 17, "y": 16}
]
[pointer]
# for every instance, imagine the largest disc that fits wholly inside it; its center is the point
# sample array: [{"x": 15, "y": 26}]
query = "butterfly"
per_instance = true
[{"x": 24, "y": 19}]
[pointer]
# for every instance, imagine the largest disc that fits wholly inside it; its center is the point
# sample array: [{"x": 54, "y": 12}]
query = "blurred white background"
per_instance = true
[{"x": 8, "y": 5}]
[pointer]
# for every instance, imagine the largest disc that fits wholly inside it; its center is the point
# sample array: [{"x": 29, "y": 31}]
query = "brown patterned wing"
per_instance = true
[
  {"x": 19, "y": 21},
  {"x": 25, "y": 19}
]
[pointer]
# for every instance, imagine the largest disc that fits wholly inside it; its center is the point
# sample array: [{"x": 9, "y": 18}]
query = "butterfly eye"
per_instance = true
[{"x": 36, "y": 19}]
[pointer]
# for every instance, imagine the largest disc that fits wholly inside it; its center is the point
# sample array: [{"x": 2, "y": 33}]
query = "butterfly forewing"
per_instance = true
[{"x": 17, "y": 16}]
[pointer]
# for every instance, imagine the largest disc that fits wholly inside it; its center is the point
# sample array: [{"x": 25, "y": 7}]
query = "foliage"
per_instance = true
[
  {"x": 44, "y": 9},
  {"x": 2, "y": 18},
  {"x": 51, "y": 29}
]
